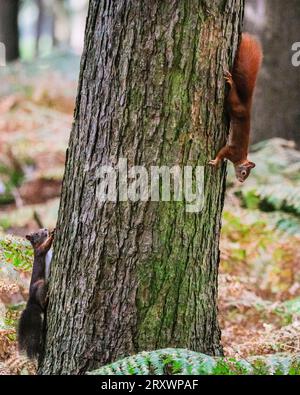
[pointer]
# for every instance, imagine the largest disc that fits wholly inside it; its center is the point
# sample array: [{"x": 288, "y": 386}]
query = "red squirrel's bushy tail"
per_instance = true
[
  {"x": 246, "y": 66},
  {"x": 30, "y": 330}
]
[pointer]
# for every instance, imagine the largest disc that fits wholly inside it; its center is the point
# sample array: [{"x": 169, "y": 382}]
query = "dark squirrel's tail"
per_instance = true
[{"x": 30, "y": 330}]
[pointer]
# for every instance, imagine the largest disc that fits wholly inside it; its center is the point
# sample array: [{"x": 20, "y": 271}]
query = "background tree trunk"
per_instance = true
[
  {"x": 276, "y": 104},
  {"x": 9, "y": 32},
  {"x": 138, "y": 276}
]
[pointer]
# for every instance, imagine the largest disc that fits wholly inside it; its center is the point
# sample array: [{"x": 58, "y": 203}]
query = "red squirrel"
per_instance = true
[
  {"x": 31, "y": 322},
  {"x": 241, "y": 82}
]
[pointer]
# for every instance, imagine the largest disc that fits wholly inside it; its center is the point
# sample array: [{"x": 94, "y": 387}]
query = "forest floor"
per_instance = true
[{"x": 259, "y": 282}]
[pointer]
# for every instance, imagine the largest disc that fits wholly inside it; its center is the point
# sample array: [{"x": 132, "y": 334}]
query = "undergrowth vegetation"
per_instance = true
[{"x": 179, "y": 361}]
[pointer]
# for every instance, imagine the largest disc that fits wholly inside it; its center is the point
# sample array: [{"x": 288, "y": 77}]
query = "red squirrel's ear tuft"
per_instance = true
[
  {"x": 251, "y": 165},
  {"x": 28, "y": 237}
]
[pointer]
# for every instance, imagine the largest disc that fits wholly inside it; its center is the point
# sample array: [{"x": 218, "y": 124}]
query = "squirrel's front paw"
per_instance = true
[
  {"x": 228, "y": 77},
  {"x": 213, "y": 162}
]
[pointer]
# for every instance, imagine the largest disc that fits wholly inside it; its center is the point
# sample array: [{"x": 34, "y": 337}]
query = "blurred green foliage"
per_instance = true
[
  {"x": 180, "y": 361},
  {"x": 17, "y": 252},
  {"x": 274, "y": 185}
]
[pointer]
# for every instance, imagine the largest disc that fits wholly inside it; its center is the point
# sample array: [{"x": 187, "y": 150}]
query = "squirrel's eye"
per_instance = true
[{"x": 244, "y": 172}]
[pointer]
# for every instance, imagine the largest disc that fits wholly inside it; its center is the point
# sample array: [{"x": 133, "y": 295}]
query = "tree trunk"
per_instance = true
[
  {"x": 132, "y": 276},
  {"x": 276, "y": 103},
  {"x": 9, "y": 32}
]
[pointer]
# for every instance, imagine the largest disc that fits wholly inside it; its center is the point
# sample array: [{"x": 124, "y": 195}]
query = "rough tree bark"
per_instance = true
[
  {"x": 139, "y": 276},
  {"x": 9, "y": 32}
]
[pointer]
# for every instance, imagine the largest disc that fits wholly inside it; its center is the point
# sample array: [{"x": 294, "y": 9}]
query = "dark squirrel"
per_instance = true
[
  {"x": 30, "y": 329},
  {"x": 242, "y": 83}
]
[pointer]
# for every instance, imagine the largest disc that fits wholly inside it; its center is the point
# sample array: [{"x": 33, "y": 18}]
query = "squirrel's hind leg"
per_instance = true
[{"x": 39, "y": 290}]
